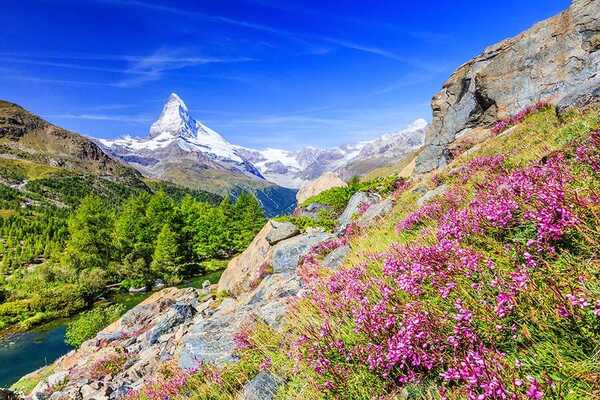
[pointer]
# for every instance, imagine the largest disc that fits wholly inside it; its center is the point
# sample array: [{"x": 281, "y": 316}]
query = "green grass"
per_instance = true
[{"x": 28, "y": 383}]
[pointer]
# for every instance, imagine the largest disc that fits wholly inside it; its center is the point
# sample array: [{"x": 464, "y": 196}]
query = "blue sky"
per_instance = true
[{"x": 261, "y": 72}]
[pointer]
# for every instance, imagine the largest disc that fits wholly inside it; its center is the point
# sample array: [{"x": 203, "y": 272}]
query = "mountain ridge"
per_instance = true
[{"x": 292, "y": 169}]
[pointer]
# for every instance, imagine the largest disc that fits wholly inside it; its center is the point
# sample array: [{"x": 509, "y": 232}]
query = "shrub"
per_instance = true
[
  {"x": 89, "y": 323},
  {"x": 109, "y": 366}
]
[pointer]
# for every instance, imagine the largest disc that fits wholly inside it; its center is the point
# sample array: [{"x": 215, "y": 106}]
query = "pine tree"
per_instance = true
[
  {"x": 250, "y": 218},
  {"x": 132, "y": 231},
  {"x": 159, "y": 212},
  {"x": 166, "y": 262},
  {"x": 90, "y": 229}
]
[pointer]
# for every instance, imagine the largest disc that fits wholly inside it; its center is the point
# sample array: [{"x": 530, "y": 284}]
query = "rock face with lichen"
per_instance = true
[{"x": 557, "y": 60}]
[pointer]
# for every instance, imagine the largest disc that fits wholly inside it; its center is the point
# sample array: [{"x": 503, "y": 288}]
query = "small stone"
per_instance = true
[
  {"x": 262, "y": 387},
  {"x": 281, "y": 231}
]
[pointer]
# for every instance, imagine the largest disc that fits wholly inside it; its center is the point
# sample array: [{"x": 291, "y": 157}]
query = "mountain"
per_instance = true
[
  {"x": 27, "y": 138},
  {"x": 42, "y": 164},
  {"x": 176, "y": 134},
  {"x": 184, "y": 151},
  {"x": 296, "y": 168}
]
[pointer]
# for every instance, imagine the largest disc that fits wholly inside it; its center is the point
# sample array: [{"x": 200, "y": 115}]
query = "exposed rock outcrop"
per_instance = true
[
  {"x": 243, "y": 270},
  {"x": 188, "y": 326},
  {"x": 281, "y": 231},
  {"x": 324, "y": 182},
  {"x": 358, "y": 200},
  {"x": 287, "y": 254},
  {"x": 556, "y": 59}
]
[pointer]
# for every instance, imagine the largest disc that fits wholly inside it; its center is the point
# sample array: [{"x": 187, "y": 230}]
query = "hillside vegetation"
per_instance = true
[
  {"x": 66, "y": 234},
  {"x": 491, "y": 290}
]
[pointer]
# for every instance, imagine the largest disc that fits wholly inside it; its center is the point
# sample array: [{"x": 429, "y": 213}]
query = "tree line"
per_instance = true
[{"x": 147, "y": 237}]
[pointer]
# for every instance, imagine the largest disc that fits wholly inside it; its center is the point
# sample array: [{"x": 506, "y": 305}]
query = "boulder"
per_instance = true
[
  {"x": 262, "y": 387},
  {"x": 281, "y": 231},
  {"x": 178, "y": 313},
  {"x": 325, "y": 182},
  {"x": 375, "y": 212},
  {"x": 243, "y": 271},
  {"x": 557, "y": 60},
  {"x": 210, "y": 340},
  {"x": 287, "y": 254},
  {"x": 353, "y": 206}
]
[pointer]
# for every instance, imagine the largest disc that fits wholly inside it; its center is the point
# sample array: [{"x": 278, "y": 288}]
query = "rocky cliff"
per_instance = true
[{"x": 557, "y": 60}]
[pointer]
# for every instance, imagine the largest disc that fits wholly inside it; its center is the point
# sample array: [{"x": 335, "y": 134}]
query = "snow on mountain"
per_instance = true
[
  {"x": 295, "y": 168},
  {"x": 176, "y": 127},
  {"x": 176, "y": 134}
]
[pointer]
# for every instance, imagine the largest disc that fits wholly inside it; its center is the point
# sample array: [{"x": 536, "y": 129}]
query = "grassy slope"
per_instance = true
[{"x": 565, "y": 351}]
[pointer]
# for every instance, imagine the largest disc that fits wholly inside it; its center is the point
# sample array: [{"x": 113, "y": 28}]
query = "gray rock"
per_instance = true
[
  {"x": 209, "y": 341},
  {"x": 158, "y": 284},
  {"x": 281, "y": 231},
  {"x": 583, "y": 97},
  {"x": 430, "y": 195},
  {"x": 287, "y": 254},
  {"x": 142, "y": 289},
  {"x": 352, "y": 207},
  {"x": 420, "y": 190},
  {"x": 336, "y": 258},
  {"x": 555, "y": 60},
  {"x": 262, "y": 387},
  {"x": 374, "y": 212},
  {"x": 177, "y": 314}
]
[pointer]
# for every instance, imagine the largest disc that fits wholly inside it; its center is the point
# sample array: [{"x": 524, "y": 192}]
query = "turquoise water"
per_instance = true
[{"x": 26, "y": 352}]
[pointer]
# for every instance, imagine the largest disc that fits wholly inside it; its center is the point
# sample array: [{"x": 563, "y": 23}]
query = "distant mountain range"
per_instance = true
[
  {"x": 183, "y": 151},
  {"x": 177, "y": 141}
]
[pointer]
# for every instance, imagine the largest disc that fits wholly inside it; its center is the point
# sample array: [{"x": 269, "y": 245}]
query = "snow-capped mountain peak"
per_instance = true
[
  {"x": 174, "y": 120},
  {"x": 177, "y": 129},
  {"x": 177, "y": 135}
]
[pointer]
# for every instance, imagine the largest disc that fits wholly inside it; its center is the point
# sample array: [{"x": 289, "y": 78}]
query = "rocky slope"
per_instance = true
[
  {"x": 556, "y": 60},
  {"x": 26, "y": 137},
  {"x": 192, "y": 327}
]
